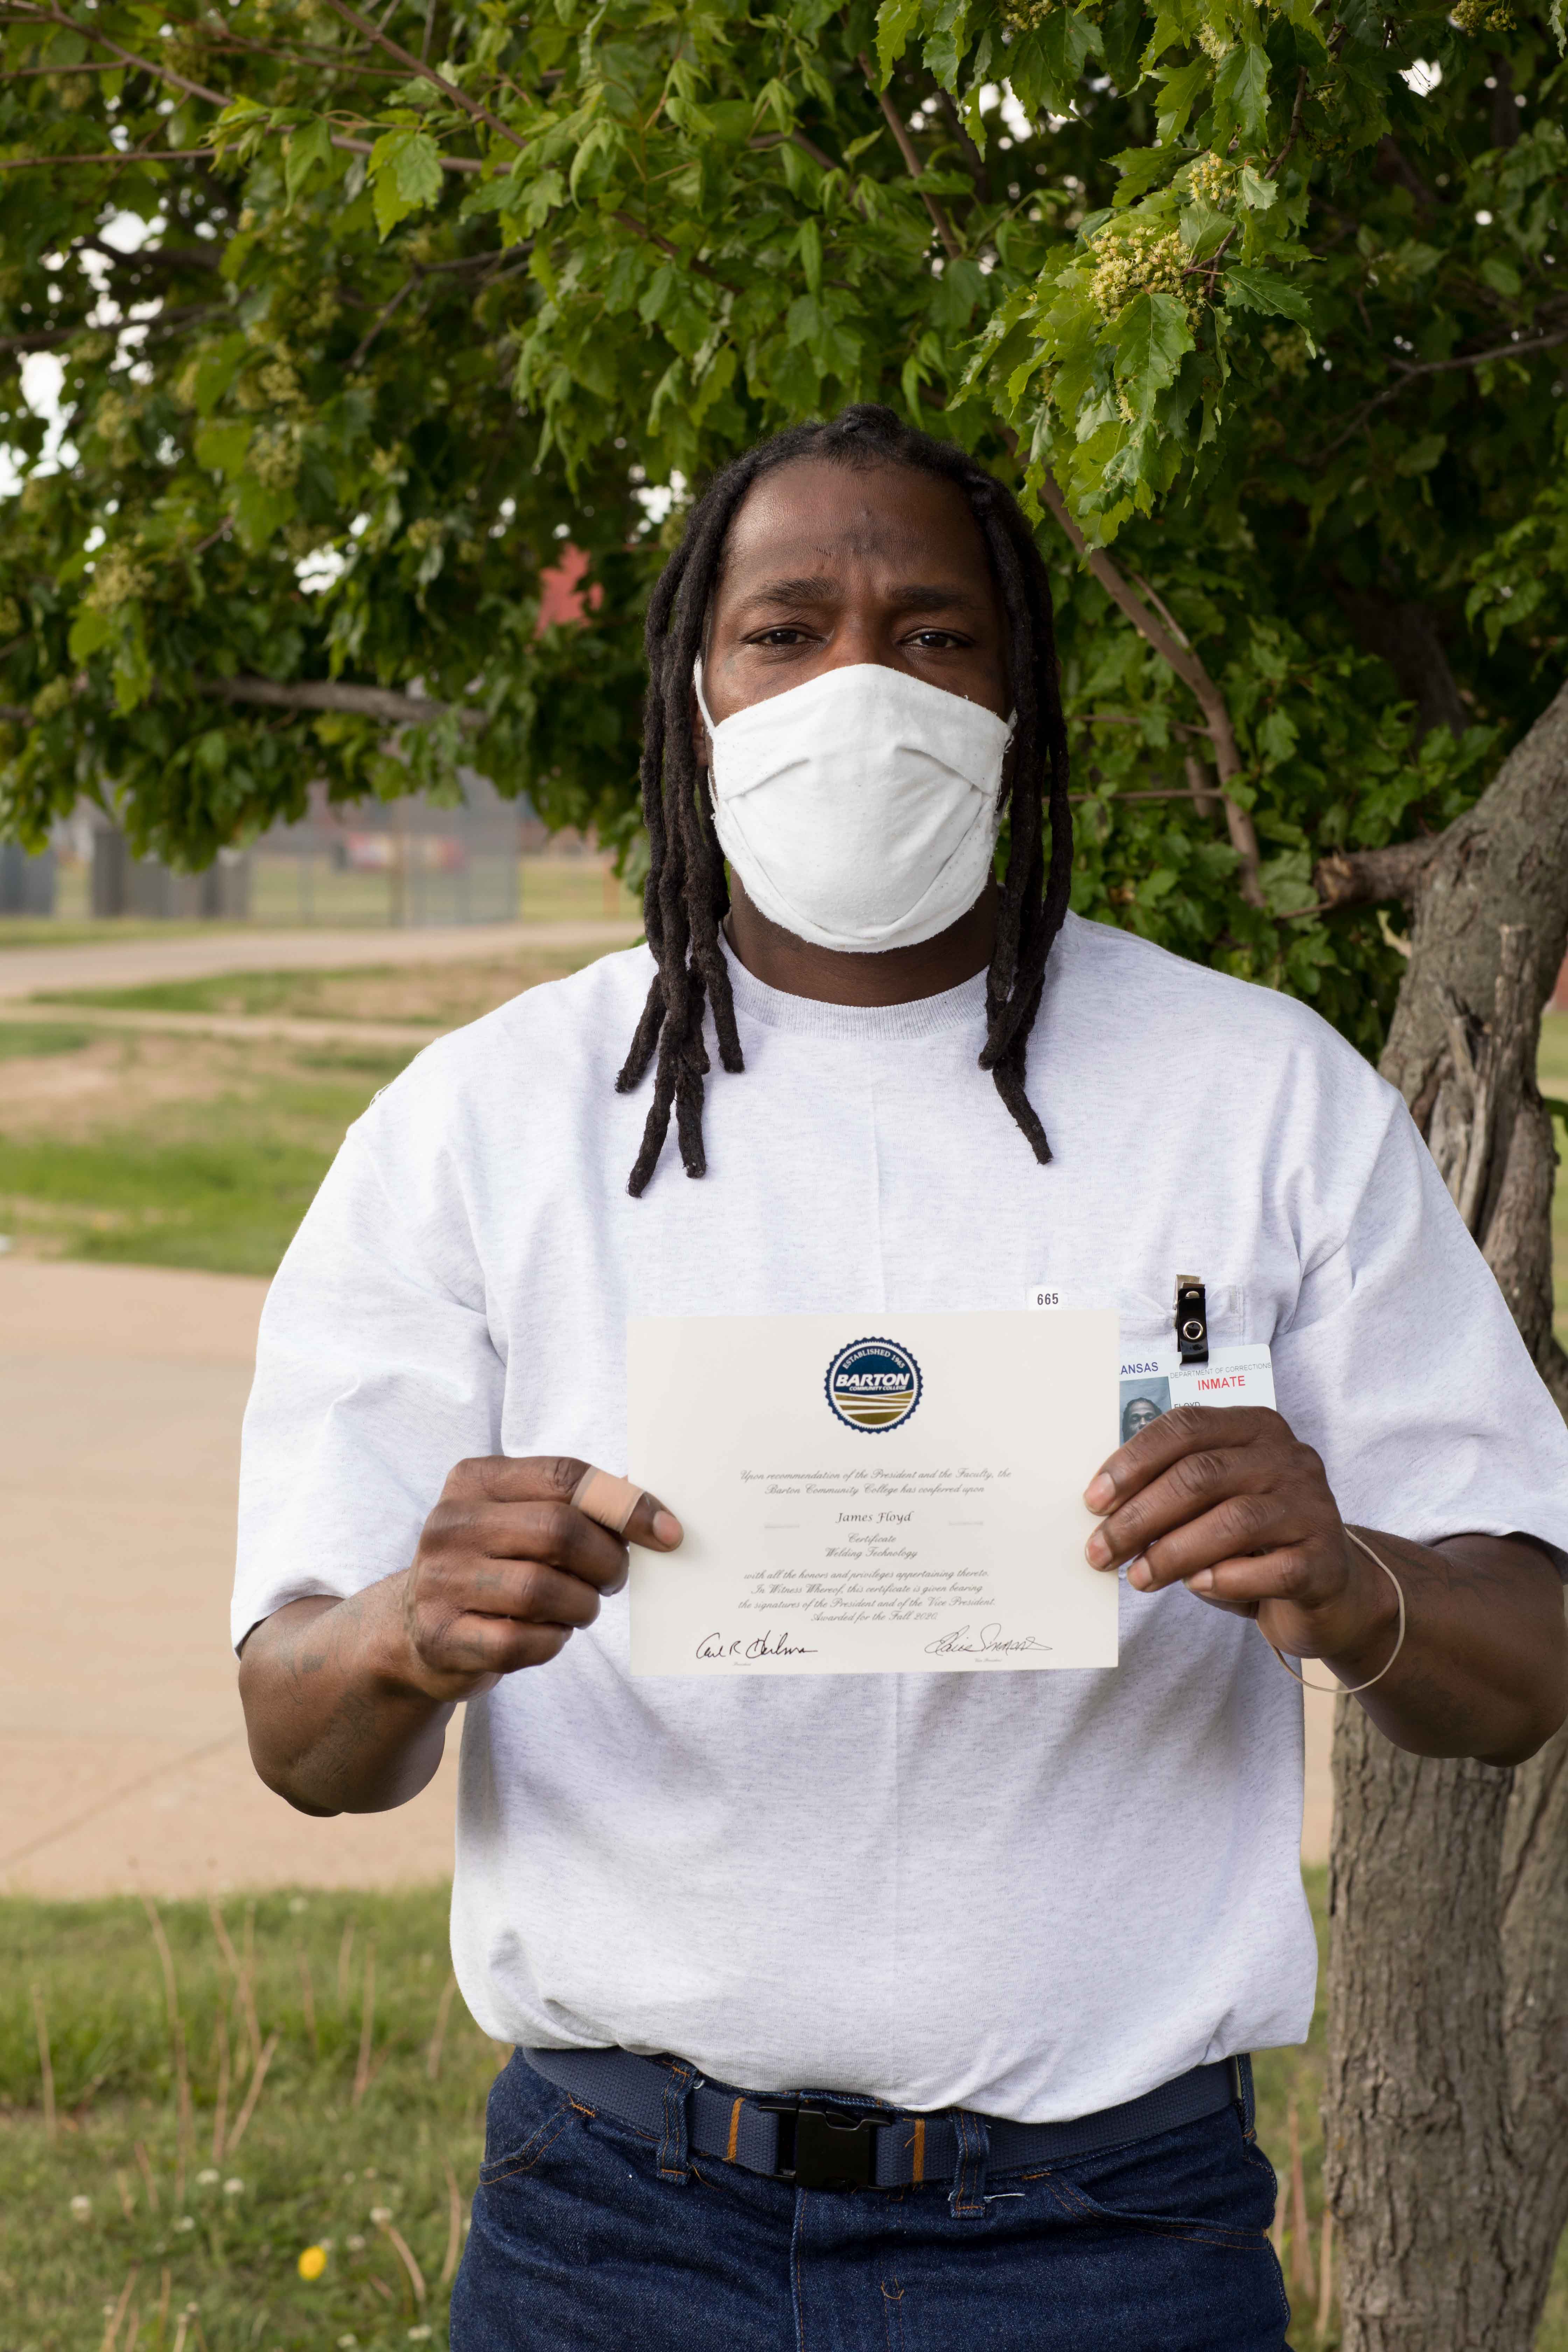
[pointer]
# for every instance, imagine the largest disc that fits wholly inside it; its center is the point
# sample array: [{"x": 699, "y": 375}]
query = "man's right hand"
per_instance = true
[
  {"x": 346, "y": 1702},
  {"x": 507, "y": 1570}
]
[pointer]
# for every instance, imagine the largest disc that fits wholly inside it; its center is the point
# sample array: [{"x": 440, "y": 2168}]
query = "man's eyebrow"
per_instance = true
[{"x": 821, "y": 588}]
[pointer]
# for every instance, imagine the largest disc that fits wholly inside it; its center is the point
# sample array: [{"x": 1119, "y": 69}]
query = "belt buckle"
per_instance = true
[{"x": 824, "y": 2147}]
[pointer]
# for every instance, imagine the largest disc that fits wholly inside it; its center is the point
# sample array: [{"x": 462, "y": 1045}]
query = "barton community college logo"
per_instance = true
[{"x": 873, "y": 1384}]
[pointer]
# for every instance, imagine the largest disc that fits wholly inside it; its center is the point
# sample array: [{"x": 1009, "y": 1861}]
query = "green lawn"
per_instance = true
[
  {"x": 354, "y": 2119},
  {"x": 218, "y": 1181},
  {"x": 22, "y": 1041},
  {"x": 189, "y": 1150}
]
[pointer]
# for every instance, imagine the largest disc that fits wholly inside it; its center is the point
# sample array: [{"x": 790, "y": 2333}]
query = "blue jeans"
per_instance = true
[{"x": 589, "y": 2236}]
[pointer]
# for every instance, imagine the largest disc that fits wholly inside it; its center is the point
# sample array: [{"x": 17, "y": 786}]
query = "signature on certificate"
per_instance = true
[
  {"x": 989, "y": 1642},
  {"x": 760, "y": 1646}
]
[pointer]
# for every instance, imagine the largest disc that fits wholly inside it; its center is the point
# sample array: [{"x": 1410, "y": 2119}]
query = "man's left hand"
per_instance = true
[{"x": 1228, "y": 1501}]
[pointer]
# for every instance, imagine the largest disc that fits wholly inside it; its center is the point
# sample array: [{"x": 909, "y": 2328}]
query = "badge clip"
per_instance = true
[{"x": 1191, "y": 1319}]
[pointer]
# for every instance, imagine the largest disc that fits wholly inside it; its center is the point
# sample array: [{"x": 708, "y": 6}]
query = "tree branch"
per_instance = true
[
  {"x": 380, "y": 318},
  {"x": 641, "y": 228},
  {"x": 184, "y": 315},
  {"x": 1364, "y": 877},
  {"x": 163, "y": 257},
  {"x": 1181, "y": 658},
  {"x": 381, "y": 702},
  {"x": 117, "y": 155},
  {"x": 1270, "y": 171},
  {"x": 470, "y": 106},
  {"x": 1409, "y": 371},
  {"x": 1188, "y": 667},
  {"x": 127, "y": 57},
  {"x": 911, "y": 154}
]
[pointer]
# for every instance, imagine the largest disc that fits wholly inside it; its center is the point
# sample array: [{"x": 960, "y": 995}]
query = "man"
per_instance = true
[
  {"x": 1142, "y": 1403},
  {"x": 1013, "y": 1935}
]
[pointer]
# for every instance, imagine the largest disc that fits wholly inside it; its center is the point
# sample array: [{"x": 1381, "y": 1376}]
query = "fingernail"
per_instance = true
[
  {"x": 1096, "y": 1552},
  {"x": 1201, "y": 1582},
  {"x": 666, "y": 1530},
  {"x": 1140, "y": 1574},
  {"x": 1099, "y": 1494}
]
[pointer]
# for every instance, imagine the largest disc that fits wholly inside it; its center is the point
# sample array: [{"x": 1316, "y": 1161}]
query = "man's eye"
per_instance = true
[
  {"x": 936, "y": 640},
  {"x": 781, "y": 637}
]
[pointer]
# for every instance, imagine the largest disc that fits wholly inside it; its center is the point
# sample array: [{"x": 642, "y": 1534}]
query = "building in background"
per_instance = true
[
  {"x": 27, "y": 885},
  {"x": 403, "y": 861}
]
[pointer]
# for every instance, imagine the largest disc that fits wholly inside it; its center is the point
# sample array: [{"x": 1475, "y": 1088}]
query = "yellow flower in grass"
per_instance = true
[{"x": 312, "y": 2261}]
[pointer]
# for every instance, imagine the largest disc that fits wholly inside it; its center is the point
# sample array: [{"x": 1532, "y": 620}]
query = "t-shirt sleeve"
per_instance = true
[
  {"x": 375, "y": 1372},
  {"x": 1402, "y": 1365}
]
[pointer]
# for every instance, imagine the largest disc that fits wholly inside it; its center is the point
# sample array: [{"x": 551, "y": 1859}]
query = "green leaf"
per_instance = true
[
  {"x": 223, "y": 449},
  {"x": 1500, "y": 276},
  {"x": 1256, "y": 193},
  {"x": 896, "y": 20},
  {"x": 303, "y": 149},
  {"x": 1420, "y": 455},
  {"x": 809, "y": 246},
  {"x": 89, "y": 631},
  {"x": 1241, "y": 92},
  {"x": 1184, "y": 86},
  {"x": 1142, "y": 168},
  {"x": 1153, "y": 336},
  {"x": 1248, "y": 289},
  {"x": 405, "y": 171}
]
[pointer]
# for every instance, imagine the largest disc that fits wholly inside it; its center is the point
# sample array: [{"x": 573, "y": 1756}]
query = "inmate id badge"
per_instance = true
[{"x": 1154, "y": 1377}]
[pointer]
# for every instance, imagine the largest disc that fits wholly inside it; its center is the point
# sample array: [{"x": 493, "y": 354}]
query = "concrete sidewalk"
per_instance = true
[
  {"x": 135, "y": 963},
  {"x": 123, "y": 1752}
]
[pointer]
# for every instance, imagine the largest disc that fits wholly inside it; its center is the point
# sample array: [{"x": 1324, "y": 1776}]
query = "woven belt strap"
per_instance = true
[{"x": 819, "y": 2144}]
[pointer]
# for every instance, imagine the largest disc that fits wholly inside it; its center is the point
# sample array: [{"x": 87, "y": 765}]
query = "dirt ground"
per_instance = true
[{"x": 121, "y": 1744}]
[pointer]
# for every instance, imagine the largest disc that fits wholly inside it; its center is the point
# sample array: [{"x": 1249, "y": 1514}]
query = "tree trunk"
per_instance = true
[{"x": 1446, "y": 2161}]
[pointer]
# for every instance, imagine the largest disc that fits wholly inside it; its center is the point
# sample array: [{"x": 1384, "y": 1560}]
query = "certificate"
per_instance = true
[{"x": 884, "y": 1493}]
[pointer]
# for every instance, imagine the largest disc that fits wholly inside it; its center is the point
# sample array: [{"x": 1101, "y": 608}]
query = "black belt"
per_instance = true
[{"x": 858, "y": 2145}]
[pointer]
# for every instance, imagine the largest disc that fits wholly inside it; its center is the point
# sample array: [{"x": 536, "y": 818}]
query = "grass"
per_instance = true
[
  {"x": 22, "y": 1040},
  {"x": 318, "y": 2153},
  {"x": 184, "y": 1151},
  {"x": 217, "y": 1176},
  {"x": 371, "y": 2104},
  {"x": 61, "y": 931}
]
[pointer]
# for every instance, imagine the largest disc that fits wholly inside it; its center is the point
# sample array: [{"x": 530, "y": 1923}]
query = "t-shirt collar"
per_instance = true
[{"x": 955, "y": 1008}]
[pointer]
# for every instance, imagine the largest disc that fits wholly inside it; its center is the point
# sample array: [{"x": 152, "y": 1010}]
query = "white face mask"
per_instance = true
[{"x": 859, "y": 810}]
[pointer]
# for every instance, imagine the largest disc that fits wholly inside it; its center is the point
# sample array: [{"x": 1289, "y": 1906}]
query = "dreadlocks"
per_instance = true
[{"x": 687, "y": 893}]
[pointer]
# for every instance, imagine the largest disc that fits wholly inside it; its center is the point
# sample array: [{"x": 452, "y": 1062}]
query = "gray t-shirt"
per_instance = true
[{"x": 1028, "y": 1893}]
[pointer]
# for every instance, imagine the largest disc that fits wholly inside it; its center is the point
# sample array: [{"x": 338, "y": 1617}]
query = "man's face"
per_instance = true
[
  {"x": 1140, "y": 1413},
  {"x": 827, "y": 565}
]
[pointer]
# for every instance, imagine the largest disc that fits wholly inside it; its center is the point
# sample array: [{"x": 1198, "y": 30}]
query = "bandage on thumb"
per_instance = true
[{"x": 606, "y": 1498}]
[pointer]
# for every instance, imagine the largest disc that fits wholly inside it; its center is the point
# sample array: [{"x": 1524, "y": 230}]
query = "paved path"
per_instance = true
[
  {"x": 122, "y": 1752},
  {"x": 133, "y": 963}
]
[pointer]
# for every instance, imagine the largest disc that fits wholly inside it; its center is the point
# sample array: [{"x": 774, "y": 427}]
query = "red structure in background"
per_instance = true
[{"x": 560, "y": 599}]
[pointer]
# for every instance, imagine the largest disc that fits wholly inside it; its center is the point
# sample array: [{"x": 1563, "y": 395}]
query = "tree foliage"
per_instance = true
[{"x": 357, "y": 319}]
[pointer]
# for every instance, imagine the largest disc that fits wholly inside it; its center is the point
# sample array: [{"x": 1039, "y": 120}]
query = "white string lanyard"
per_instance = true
[{"x": 1352, "y": 1690}]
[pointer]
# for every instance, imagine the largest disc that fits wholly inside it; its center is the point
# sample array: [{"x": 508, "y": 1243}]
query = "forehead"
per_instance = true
[{"x": 813, "y": 516}]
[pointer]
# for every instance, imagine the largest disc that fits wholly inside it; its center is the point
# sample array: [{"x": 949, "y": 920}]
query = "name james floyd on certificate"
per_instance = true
[{"x": 874, "y": 1493}]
